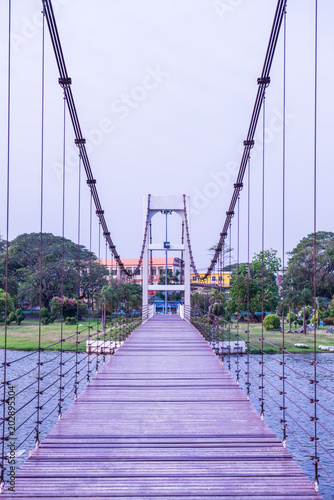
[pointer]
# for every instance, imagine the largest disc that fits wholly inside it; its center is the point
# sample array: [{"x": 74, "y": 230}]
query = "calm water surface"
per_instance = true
[{"x": 299, "y": 409}]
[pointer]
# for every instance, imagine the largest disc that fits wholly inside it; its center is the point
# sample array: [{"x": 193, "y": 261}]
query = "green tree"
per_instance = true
[
  {"x": 217, "y": 303},
  {"x": 125, "y": 296},
  {"x": 24, "y": 267},
  {"x": 266, "y": 264},
  {"x": 306, "y": 299},
  {"x": 300, "y": 268},
  {"x": 292, "y": 299},
  {"x": 10, "y": 305},
  {"x": 197, "y": 300},
  {"x": 12, "y": 285}
]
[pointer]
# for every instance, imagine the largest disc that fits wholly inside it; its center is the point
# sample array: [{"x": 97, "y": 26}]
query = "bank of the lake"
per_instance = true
[
  {"x": 273, "y": 340},
  {"x": 25, "y": 337}
]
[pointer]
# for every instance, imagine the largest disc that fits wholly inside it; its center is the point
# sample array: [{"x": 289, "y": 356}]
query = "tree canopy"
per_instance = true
[
  {"x": 265, "y": 263},
  {"x": 24, "y": 267},
  {"x": 300, "y": 270},
  {"x": 120, "y": 295},
  {"x": 10, "y": 305}
]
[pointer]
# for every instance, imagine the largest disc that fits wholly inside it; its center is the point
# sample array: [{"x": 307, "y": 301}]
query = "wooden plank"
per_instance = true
[{"x": 162, "y": 419}]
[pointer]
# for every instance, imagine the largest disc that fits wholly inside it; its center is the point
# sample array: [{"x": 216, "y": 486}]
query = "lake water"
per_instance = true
[
  {"x": 299, "y": 409},
  {"x": 298, "y": 387},
  {"x": 22, "y": 374}
]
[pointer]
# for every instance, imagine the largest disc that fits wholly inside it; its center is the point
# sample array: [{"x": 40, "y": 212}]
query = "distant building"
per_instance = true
[
  {"x": 156, "y": 268},
  {"x": 221, "y": 279}
]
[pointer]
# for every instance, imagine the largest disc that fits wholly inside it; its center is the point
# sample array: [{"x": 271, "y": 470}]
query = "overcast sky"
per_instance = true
[{"x": 164, "y": 90}]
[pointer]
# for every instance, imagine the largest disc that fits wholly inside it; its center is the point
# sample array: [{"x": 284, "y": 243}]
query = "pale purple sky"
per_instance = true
[{"x": 164, "y": 92}]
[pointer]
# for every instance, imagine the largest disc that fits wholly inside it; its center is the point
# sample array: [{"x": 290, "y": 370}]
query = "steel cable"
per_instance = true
[{"x": 2, "y": 475}]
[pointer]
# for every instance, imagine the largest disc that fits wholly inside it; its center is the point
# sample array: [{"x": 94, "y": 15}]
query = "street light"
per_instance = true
[{"x": 166, "y": 246}]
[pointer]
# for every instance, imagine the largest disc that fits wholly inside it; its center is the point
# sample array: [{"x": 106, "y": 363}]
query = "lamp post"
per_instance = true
[{"x": 166, "y": 246}]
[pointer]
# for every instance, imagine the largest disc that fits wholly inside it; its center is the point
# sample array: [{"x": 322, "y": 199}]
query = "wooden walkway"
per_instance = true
[{"x": 163, "y": 419}]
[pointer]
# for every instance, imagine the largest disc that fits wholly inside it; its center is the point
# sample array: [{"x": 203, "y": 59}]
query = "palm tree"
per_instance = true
[
  {"x": 197, "y": 300},
  {"x": 292, "y": 299},
  {"x": 217, "y": 303},
  {"x": 306, "y": 299}
]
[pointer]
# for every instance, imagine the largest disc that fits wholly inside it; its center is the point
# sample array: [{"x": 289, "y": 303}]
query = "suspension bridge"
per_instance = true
[{"x": 160, "y": 406}]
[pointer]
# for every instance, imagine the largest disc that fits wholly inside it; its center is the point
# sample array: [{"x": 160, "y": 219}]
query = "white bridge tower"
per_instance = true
[{"x": 154, "y": 205}]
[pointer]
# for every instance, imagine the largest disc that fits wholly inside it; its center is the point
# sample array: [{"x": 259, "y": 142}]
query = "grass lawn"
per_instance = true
[
  {"x": 273, "y": 340},
  {"x": 276, "y": 338},
  {"x": 25, "y": 336}
]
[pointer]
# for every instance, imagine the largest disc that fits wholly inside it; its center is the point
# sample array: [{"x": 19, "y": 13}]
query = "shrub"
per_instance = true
[
  {"x": 70, "y": 320},
  {"x": 293, "y": 317},
  {"x": 300, "y": 322},
  {"x": 308, "y": 321},
  {"x": 44, "y": 312},
  {"x": 314, "y": 318},
  {"x": 69, "y": 307},
  {"x": 271, "y": 322},
  {"x": 45, "y": 315},
  {"x": 20, "y": 316},
  {"x": 328, "y": 321},
  {"x": 11, "y": 317}
]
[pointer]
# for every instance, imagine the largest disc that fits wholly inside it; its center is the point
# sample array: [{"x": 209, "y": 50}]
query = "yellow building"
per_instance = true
[{"x": 222, "y": 279}]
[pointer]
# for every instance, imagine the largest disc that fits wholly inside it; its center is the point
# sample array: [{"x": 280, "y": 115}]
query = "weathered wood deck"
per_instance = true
[{"x": 163, "y": 419}]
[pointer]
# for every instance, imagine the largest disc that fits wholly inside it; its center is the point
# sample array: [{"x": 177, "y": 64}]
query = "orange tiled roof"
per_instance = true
[{"x": 157, "y": 261}]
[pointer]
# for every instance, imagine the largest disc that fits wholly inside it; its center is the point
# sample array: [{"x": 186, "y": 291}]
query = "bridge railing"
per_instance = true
[
  {"x": 38, "y": 386},
  {"x": 187, "y": 312},
  {"x": 289, "y": 389}
]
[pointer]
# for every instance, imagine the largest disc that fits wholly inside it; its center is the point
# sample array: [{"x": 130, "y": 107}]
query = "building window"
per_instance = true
[
  {"x": 213, "y": 278},
  {"x": 194, "y": 278},
  {"x": 138, "y": 272}
]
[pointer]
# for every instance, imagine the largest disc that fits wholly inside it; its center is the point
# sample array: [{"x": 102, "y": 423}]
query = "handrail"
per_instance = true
[{"x": 223, "y": 336}]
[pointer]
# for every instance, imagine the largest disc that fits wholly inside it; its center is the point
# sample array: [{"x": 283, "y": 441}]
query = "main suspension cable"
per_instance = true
[
  {"x": 263, "y": 82},
  {"x": 65, "y": 79}
]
